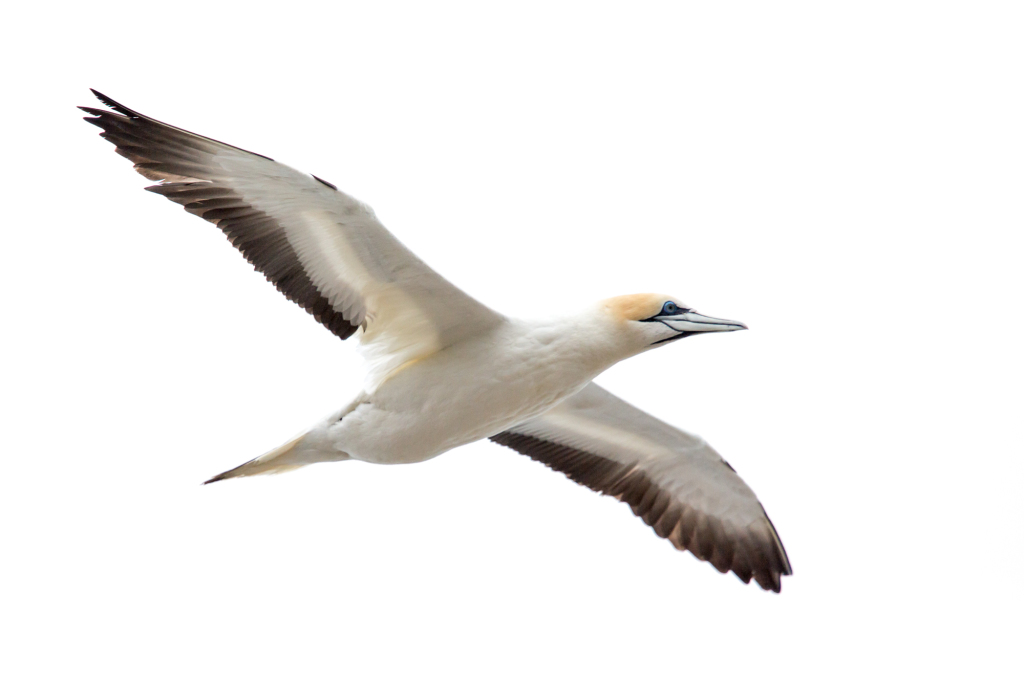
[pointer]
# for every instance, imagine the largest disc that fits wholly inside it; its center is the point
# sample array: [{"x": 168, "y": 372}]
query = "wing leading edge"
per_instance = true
[
  {"x": 673, "y": 480},
  {"x": 320, "y": 247}
]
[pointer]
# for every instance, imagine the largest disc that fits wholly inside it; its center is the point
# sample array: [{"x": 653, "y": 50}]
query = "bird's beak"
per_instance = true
[{"x": 691, "y": 323}]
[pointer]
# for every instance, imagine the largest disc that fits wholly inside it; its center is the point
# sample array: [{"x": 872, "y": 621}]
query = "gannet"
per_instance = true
[{"x": 445, "y": 370}]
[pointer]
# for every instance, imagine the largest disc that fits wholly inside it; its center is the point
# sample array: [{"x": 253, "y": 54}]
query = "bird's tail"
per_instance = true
[{"x": 277, "y": 461}]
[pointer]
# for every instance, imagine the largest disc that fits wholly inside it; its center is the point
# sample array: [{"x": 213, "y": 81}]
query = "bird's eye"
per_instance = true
[{"x": 669, "y": 308}]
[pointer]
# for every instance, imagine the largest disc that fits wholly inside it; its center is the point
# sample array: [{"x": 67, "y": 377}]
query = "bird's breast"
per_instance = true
[{"x": 479, "y": 388}]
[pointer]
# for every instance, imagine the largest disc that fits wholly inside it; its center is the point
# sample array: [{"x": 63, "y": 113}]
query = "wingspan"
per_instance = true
[
  {"x": 673, "y": 480},
  {"x": 320, "y": 247}
]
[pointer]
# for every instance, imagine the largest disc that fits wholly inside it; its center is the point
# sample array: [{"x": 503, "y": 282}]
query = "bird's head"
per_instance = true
[{"x": 651, "y": 320}]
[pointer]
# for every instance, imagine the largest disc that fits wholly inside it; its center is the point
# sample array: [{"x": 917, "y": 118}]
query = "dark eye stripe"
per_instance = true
[{"x": 669, "y": 308}]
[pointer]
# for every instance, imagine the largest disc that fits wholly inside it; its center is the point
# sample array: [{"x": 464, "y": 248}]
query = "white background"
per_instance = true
[{"x": 843, "y": 177}]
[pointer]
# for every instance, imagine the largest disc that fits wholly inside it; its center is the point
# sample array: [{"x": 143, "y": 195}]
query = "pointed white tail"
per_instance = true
[{"x": 277, "y": 461}]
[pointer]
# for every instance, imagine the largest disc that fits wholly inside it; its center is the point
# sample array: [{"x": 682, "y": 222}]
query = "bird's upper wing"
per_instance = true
[
  {"x": 321, "y": 248},
  {"x": 673, "y": 480}
]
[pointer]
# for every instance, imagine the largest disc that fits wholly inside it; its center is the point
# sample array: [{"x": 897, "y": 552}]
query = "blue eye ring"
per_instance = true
[{"x": 670, "y": 308}]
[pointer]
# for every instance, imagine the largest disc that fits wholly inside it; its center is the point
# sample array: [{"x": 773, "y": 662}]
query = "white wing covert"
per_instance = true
[
  {"x": 673, "y": 480},
  {"x": 321, "y": 248}
]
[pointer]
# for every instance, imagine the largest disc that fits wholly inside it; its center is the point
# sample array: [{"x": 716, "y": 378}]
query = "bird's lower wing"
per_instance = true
[
  {"x": 321, "y": 248},
  {"x": 673, "y": 480}
]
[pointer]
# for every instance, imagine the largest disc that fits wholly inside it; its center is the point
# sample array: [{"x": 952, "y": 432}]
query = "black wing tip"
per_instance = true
[
  {"x": 135, "y": 116},
  {"x": 116, "y": 106},
  {"x": 324, "y": 182},
  {"x": 769, "y": 581},
  {"x": 786, "y": 568},
  {"x": 96, "y": 116},
  {"x": 642, "y": 495}
]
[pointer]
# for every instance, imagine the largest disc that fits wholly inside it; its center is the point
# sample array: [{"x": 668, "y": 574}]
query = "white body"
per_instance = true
[{"x": 471, "y": 390}]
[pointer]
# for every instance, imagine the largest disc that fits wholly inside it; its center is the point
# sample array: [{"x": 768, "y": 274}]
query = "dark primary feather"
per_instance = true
[
  {"x": 183, "y": 163},
  {"x": 753, "y": 551}
]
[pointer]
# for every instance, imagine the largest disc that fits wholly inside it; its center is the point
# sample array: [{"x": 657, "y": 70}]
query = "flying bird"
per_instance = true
[{"x": 446, "y": 370}]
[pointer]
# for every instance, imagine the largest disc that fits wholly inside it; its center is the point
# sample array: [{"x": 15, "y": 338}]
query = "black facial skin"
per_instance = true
[{"x": 670, "y": 308}]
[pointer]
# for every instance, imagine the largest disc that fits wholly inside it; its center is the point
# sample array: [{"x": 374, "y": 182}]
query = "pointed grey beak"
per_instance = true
[{"x": 695, "y": 323}]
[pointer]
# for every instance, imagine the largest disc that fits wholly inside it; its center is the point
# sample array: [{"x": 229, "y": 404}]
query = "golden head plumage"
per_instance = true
[{"x": 635, "y": 307}]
